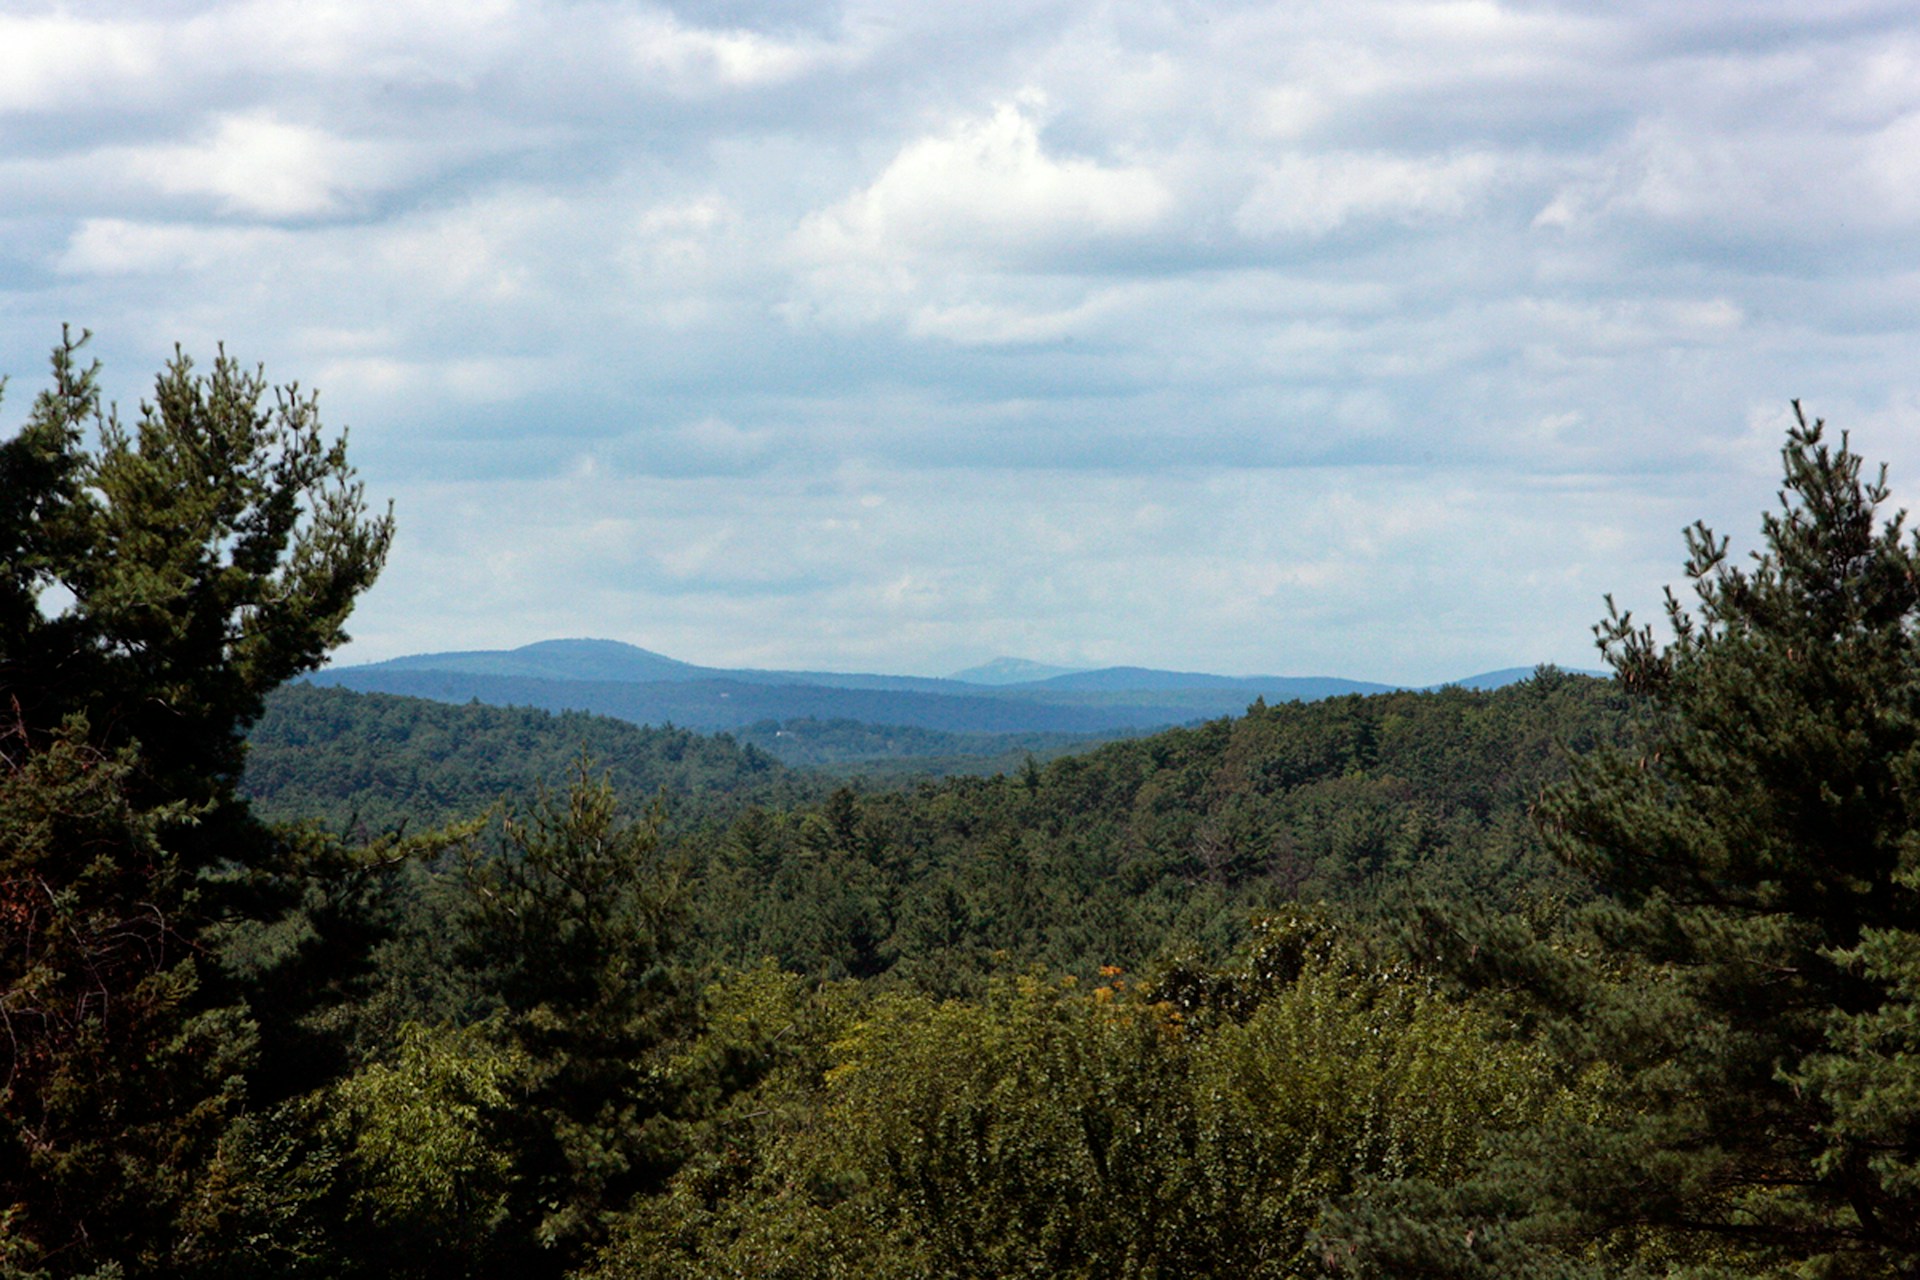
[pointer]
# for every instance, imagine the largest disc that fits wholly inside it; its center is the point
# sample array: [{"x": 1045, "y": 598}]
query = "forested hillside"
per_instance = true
[
  {"x": 1112, "y": 856},
  {"x": 857, "y": 748},
  {"x": 1174, "y": 840},
  {"x": 374, "y": 762},
  {"x": 1573, "y": 978}
]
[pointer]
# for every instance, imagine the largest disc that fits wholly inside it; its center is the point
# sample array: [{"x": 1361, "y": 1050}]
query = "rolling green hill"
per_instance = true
[
  {"x": 377, "y": 761},
  {"x": 1113, "y": 855}
]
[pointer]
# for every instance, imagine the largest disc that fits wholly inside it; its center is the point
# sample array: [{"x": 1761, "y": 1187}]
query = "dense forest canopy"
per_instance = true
[
  {"x": 1574, "y": 977},
  {"x": 1111, "y": 856},
  {"x": 371, "y": 762}
]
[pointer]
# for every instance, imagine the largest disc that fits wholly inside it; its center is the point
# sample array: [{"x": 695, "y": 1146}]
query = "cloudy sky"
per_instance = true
[{"x": 1368, "y": 338}]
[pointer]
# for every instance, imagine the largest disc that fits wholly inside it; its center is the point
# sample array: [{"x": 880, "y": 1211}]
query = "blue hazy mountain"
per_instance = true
[
  {"x": 718, "y": 705},
  {"x": 623, "y": 680},
  {"x": 1011, "y": 671},
  {"x": 1505, "y": 676},
  {"x": 555, "y": 660},
  {"x": 613, "y": 660},
  {"x": 1291, "y": 688}
]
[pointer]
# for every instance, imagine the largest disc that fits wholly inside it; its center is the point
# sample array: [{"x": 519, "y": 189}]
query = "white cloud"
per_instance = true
[
  {"x": 126, "y": 54},
  {"x": 986, "y": 186},
  {"x": 984, "y": 324},
  {"x": 261, "y": 166},
  {"x": 1263, "y": 571},
  {"x": 1818, "y": 178},
  {"x": 1891, "y": 165},
  {"x": 953, "y": 238},
  {"x": 491, "y": 381},
  {"x": 1311, "y": 195},
  {"x": 55, "y": 61},
  {"x": 684, "y": 243},
  {"x": 382, "y": 40},
  {"x": 781, "y": 332},
  {"x": 693, "y": 59},
  {"x": 118, "y": 246}
]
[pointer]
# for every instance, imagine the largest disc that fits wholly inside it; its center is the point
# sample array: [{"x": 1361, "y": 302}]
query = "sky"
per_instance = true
[{"x": 1373, "y": 339}]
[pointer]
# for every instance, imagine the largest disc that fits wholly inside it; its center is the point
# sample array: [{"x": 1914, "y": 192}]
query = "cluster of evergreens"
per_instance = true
[
  {"x": 1160, "y": 846},
  {"x": 1574, "y": 978}
]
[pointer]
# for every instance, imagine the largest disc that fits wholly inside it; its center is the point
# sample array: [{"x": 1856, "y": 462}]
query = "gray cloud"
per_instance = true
[{"x": 1379, "y": 337}]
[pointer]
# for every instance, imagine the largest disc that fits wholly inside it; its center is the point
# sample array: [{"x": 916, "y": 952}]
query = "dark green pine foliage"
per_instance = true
[
  {"x": 1745, "y": 985},
  {"x": 571, "y": 923},
  {"x": 114, "y": 1090},
  {"x": 160, "y": 952},
  {"x": 1169, "y": 842},
  {"x": 211, "y": 553}
]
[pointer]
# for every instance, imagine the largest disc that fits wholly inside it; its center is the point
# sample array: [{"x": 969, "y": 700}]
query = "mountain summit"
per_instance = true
[{"x": 553, "y": 660}]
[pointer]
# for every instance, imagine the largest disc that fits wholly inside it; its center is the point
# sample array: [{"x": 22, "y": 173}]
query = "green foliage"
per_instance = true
[
  {"x": 1050, "y": 1129},
  {"x": 155, "y": 584},
  {"x": 730, "y": 1210},
  {"x": 369, "y": 762},
  {"x": 207, "y": 555},
  {"x": 116, "y": 1087},
  {"x": 1178, "y": 838},
  {"x": 571, "y": 923},
  {"x": 904, "y": 753},
  {"x": 1109, "y": 857},
  {"x": 424, "y": 1152},
  {"x": 1748, "y": 973}
]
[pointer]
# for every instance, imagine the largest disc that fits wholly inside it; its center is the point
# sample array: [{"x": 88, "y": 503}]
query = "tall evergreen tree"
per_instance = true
[
  {"x": 164, "y": 579},
  {"x": 155, "y": 583},
  {"x": 571, "y": 925},
  {"x": 1746, "y": 981}
]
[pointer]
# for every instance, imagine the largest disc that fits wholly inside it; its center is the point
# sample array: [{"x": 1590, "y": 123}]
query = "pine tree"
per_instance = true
[
  {"x": 1745, "y": 985},
  {"x": 155, "y": 584},
  {"x": 165, "y": 578},
  {"x": 571, "y": 925}
]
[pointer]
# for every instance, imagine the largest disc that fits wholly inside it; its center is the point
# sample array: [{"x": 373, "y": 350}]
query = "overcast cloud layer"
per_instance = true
[{"x": 1375, "y": 339}]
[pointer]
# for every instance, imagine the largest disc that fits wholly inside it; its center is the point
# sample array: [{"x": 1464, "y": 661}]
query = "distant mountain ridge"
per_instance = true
[
  {"x": 615, "y": 660},
  {"x": 555, "y": 660},
  {"x": 1011, "y": 671},
  {"x": 1007, "y": 695}
]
